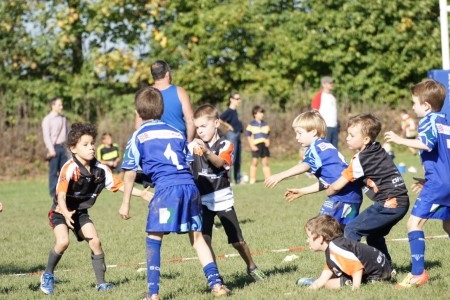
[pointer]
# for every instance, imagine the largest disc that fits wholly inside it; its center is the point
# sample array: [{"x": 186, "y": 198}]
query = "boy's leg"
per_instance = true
[
  {"x": 446, "y": 226},
  {"x": 253, "y": 169},
  {"x": 207, "y": 228},
  {"x": 416, "y": 239},
  {"x": 266, "y": 169},
  {"x": 153, "y": 254},
  {"x": 374, "y": 222},
  {"x": 204, "y": 255}
]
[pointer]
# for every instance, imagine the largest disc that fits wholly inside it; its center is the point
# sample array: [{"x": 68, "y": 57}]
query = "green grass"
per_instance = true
[{"x": 268, "y": 223}]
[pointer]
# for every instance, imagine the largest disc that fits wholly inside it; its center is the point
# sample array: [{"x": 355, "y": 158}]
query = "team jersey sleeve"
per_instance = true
[
  {"x": 347, "y": 261},
  {"x": 225, "y": 152},
  {"x": 65, "y": 175},
  {"x": 315, "y": 103},
  {"x": 354, "y": 170},
  {"x": 112, "y": 183},
  {"x": 427, "y": 131},
  {"x": 131, "y": 156},
  {"x": 248, "y": 130}
]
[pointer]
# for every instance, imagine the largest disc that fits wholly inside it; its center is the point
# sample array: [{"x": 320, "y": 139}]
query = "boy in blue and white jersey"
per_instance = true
[
  {"x": 433, "y": 143},
  {"x": 325, "y": 162},
  {"x": 160, "y": 150}
]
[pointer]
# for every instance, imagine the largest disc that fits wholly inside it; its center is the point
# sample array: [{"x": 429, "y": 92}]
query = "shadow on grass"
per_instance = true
[
  {"x": 429, "y": 264},
  {"x": 10, "y": 269},
  {"x": 240, "y": 279}
]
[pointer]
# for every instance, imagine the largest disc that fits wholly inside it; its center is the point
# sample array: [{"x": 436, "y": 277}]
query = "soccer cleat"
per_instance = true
[
  {"x": 257, "y": 274},
  {"x": 413, "y": 280},
  {"x": 305, "y": 281},
  {"x": 103, "y": 287},
  {"x": 47, "y": 283},
  {"x": 219, "y": 290}
]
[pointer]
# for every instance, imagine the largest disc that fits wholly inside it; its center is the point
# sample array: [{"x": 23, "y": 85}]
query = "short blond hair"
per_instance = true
[{"x": 311, "y": 120}]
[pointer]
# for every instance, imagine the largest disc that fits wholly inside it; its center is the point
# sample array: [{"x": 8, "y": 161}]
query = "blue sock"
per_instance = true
[
  {"x": 153, "y": 254},
  {"x": 212, "y": 274},
  {"x": 417, "y": 246}
]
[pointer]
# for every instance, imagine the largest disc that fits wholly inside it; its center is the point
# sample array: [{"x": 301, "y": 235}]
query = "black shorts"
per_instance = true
[
  {"x": 229, "y": 221},
  {"x": 80, "y": 218},
  {"x": 263, "y": 151}
]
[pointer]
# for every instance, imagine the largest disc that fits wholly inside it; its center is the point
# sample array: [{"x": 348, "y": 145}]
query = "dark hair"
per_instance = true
[
  {"x": 257, "y": 109},
  {"x": 148, "y": 103},
  {"x": 325, "y": 226},
  {"x": 207, "y": 110},
  {"x": 370, "y": 125},
  {"x": 77, "y": 130},
  {"x": 159, "y": 69},
  {"x": 52, "y": 101},
  {"x": 431, "y": 92},
  {"x": 232, "y": 94}
]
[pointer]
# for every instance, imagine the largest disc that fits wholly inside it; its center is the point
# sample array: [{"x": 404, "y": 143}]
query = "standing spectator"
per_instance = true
[
  {"x": 257, "y": 133},
  {"x": 230, "y": 118},
  {"x": 177, "y": 105},
  {"x": 409, "y": 128},
  {"x": 325, "y": 103},
  {"x": 54, "y": 131},
  {"x": 108, "y": 153}
]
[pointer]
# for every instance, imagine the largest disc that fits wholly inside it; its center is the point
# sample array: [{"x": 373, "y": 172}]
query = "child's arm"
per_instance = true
[
  {"x": 336, "y": 186},
  {"x": 292, "y": 194},
  {"x": 127, "y": 189},
  {"x": 322, "y": 280},
  {"x": 273, "y": 180},
  {"x": 390, "y": 136},
  {"x": 62, "y": 204},
  {"x": 216, "y": 160},
  {"x": 356, "y": 279},
  {"x": 250, "y": 142}
]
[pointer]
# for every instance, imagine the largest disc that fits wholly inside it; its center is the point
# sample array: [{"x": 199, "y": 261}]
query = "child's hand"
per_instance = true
[
  {"x": 254, "y": 148},
  {"x": 416, "y": 187},
  {"x": 124, "y": 211},
  {"x": 272, "y": 180},
  {"x": 147, "y": 195},
  {"x": 292, "y": 194},
  {"x": 1, "y": 207},
  {"x": 68, "y": 217},
  {"x": 390, "y": 136}
]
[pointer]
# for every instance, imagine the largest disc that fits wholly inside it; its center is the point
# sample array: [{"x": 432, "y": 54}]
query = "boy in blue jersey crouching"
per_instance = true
[
  {"x": 433, "y": 143},
  {"x": 160, "y": 151}
]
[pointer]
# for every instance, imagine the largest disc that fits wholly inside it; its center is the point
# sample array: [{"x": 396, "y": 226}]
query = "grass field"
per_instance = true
[{"x": 270, "y": 226}]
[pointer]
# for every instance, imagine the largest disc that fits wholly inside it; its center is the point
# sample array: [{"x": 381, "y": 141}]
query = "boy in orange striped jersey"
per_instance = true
[{"x": 347, "y": 262}]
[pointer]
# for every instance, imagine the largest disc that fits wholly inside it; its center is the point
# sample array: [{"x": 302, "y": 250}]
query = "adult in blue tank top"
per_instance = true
[{"x": 177, "y": 105}]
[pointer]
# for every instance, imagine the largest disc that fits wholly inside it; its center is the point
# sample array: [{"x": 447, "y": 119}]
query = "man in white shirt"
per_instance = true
[{"x": 325, "y": 103}]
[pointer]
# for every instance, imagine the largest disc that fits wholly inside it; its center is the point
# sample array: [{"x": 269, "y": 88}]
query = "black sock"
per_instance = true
[
  {"x": 98, "y": 262},
  {"x": 53, "y": 259}
]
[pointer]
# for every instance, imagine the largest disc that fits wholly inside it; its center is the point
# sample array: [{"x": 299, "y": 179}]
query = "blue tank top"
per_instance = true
[{"x": 173, "y": 111}]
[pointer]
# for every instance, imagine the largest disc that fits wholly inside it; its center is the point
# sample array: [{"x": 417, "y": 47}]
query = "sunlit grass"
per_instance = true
[{"x": 270, "y": 226}]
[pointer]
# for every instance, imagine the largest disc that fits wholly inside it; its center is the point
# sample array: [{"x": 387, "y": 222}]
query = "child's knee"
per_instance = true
[{"x": 239, "y": 245}]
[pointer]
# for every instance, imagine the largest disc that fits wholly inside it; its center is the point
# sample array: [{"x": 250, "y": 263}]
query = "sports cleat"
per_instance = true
[
  {"x": 257, "y": 274},
  {"x": 219, "y": 290},
  {"x": 413, "y": 280},
  {"x": 103, "y": 287},
  {"x": 305, "y": 281},
  {"x": 47, "y": 283}
]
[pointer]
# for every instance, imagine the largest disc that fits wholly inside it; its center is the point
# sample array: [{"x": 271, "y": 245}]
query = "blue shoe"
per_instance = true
[
  {"x": 305, "y": 281},
  {"x": 103, "y": 287},
  {"x": 47, "y": 283}
]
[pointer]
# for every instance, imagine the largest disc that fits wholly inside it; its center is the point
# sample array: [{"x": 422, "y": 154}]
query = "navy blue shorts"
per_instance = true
[{"x": 229, "y": 221}]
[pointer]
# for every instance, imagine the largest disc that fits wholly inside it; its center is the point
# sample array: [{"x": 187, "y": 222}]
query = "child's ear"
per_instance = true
[
  {"x": 366, "y": 140},
  {"x": 217, "y": 123}
]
